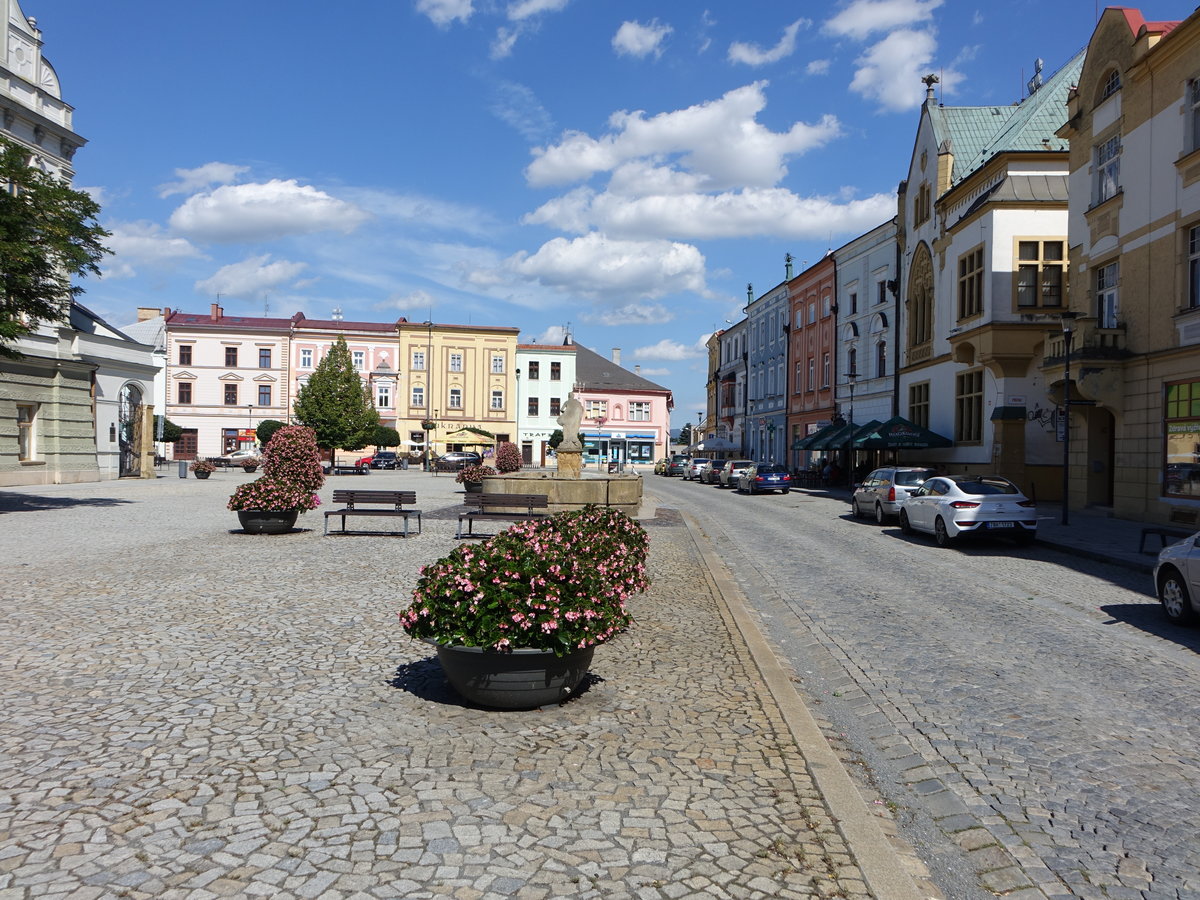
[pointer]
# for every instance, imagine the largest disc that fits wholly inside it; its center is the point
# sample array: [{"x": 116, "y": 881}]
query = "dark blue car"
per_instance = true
[{"x": 764, "y": 477}]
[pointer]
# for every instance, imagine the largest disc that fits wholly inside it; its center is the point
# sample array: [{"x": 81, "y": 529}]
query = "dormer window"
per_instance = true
[{"x": 1112, "y": 84}]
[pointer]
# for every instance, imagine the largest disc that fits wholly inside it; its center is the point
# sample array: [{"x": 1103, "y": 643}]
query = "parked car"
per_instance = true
[
  {"x": 1176, "y": 576},
  {"x": 695, "y": 464},
  {"x": 733, "y": 471},
  {"x": 384, "y": 459},
  {"x": 710, "y": 473},
  {"x": 952, "y": 506},
  {"x": 882, "y": 492},
  {"x": 364, "y": 461},
  {"x": 458, "y": 459},
  {"x": 677, "y": 465},
  {"x": 764, "y": 477},
  {"x": 660, "y": 466},
  {"x": 239, "y": 457}
]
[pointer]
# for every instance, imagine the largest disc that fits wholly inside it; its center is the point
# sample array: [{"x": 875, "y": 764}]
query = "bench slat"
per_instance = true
[{"x": 396, "y": 499}]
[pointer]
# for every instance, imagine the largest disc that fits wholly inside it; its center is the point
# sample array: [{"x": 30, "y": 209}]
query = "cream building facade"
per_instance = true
[{"x": 545, "y": 378}]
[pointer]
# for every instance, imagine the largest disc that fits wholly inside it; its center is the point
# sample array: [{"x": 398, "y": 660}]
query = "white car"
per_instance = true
[
  {"x": 692, "y": 469},
  {"x": 733, "y": 471},
  {"x": 951, "y": 506},
  {"x": 1176, "y": 576}
]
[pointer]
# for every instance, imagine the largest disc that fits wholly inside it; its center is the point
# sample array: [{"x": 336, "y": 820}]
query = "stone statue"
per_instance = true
[{"x": 572, "y": 416}]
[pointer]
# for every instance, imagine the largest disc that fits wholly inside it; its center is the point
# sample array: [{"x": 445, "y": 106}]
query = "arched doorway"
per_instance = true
[{"x": 129, "y": 430}]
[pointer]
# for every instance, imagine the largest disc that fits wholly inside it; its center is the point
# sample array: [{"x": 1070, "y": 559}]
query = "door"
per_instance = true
[{"x": 129, "y": 430}]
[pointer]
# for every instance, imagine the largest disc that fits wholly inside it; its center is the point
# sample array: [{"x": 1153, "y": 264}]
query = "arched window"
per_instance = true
[
  {"x": 852, "y": 361},
  {"x": 1109, "y": 86},
  {"x": 881, "y": 359},
  {"x": 920, "y": 298}
]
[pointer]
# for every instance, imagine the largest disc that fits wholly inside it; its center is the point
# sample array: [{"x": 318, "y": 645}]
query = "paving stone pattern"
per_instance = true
[
  {"x": 191, "y": 712},
  {"x": 1030, "y": 712}
]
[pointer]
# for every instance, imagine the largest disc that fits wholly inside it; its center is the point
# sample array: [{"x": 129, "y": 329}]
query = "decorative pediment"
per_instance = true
[
  {"x": 231, "y": 376},
  {"x": 185, "y": 375},
  {"x": 265, "y": 379}
]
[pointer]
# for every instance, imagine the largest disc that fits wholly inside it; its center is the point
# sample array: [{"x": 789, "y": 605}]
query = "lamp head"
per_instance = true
[{"x": 1068, "y": 321}]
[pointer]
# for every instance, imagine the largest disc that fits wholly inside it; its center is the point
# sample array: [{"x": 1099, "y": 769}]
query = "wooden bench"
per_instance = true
[
  {"x": 511, "y": 507},
  {"x": 377, "y": 503},
  {"x": 1165, "y": 535},
  {"x": 347, "y": 470}
]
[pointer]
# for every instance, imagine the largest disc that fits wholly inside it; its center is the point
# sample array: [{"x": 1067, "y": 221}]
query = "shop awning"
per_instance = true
[
  {"x": 832, "y": 437},
  {"x": 469, "y": 436},
  {"x": 717, "y": 445},
  {"x": 806, "y": 443},
  {"x": 898, "y": 433}
]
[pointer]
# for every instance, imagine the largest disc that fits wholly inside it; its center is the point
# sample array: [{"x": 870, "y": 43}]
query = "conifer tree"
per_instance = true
[{"x": 336, "y": 404}]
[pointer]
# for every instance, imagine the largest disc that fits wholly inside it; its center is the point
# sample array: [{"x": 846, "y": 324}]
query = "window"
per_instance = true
[
  {"x": 556, "y": 406},
  {"x": 555, "y": 371},
  {"x": 852, "y": 362},
  {"x": 920, "y": 301},
  {"x": 1107, "y": 308},
  {"x": 881, "y": 359},
  {"x": 455, "y": 398},
  {"x": 798, "y": 386},
  {"x": 417, "y": 397},
  {"x": 853, "y": 304},
  {"x": 26, "y": 417},
  {"x": 1112, "y": 84},
  {"x": 1041, "y": 271},
  {"x": 1194, "y": 267},
  {"x": 1108, "y": 168},
  {"x": 825, "y": 305},
  {"x": 639, "y": 410},
  {"x": 812, "y": 313},
  {"x": 418, "y": 360},
  {"x": 264, "y": 357},
  {"x": 456, "y": 362},
  {"x": 231, "y": 357},
  {"x": 597, "y": 408},
  {"x": 497, "y": 366},
  {"x": 968, "y": 403},
  {"x": 1182, "y": 438},
  {"x": 534, "y": 367},
  {"x": 918, "y": 404},
  {"x": 184, "y": 392},
  {"x": 185, "y": 354},
  {"x": 970, "y": 283},
  {"x": 383, "y": 395},
  {"x": 306, "y": 359},
  {"x": 881, "y": 291},
  {"x": 922, "y": 205},
  {"x": 359, "y": 359},
  {"x": 1193, "y": 104},
  {"x": 231, "y": 394},
  {"x": 825, "y": 370},
  {"x": 812, "y": 374},
  {"x": 532, "y": 408},
  {"x": 264, "y": 395},
  {"x": 498, "y": 396}
]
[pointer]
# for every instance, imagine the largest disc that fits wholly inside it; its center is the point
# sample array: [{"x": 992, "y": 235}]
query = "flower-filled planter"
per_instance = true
[
  {"x": 288, "y": 486},
  {"x": 517, "y": 617},
  {"x": 201, "y": 468},
  {"x": 471, "y": 477}
]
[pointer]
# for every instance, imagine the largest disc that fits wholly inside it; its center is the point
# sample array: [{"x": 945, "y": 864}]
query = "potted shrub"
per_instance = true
[
  {"x": 202, "y": 468},
  {"x": 517, "y": 617},
  {"x": 288, "y": 486},
  {"x": 471, "y": 477},
  {"x": 251, "y": 463},
  {"x": 508, "y": 457}
]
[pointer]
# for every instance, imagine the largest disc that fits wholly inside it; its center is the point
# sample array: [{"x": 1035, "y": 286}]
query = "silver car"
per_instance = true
[
  {"x": 882, "y": 492},
  {"x": 733, "y": 470},
  {"x": 695, "y": 464},
  {"x": 1177, "y": 580},
  {"x": 711, "y": 471}
]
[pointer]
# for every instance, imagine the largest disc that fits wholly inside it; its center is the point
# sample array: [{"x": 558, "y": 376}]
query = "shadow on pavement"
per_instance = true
[
  {"x": 424, "y": 679},
  {"x": 38, "y": 503},
  {"x": 1150, "y": 619}
]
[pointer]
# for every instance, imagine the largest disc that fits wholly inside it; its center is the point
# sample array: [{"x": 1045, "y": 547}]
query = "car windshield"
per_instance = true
[
  {"x": 916, "y": 476},
  {"x": 987, "y": 486}
]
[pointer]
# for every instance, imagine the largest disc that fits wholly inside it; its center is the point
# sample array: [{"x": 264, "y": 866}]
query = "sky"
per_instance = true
[{"x": 619, "y": 168}]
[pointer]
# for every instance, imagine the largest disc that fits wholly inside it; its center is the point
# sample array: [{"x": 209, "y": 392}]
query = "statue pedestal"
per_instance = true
[{"x": 570, "y": 463}]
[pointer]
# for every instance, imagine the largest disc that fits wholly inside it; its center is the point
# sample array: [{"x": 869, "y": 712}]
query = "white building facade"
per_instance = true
[{"x": 545, "y": 378}]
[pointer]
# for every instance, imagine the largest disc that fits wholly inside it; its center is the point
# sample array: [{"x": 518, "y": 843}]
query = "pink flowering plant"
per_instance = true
[
  {"x": 474, "y": 473},
  {"x": 291, "y": 476},
  {"x": 559, "y": 583},
  {"x": 508, "y": 457}
]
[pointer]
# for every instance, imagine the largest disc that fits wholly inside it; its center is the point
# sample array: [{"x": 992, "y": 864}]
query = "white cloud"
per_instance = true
[
  {"x": 97, "y": 193},
  {"x": 251, "y": 278},
  {"x": 668, "y": 349},
  {"x": 774, "y": 212},
  {"x": 419, "y": 212},
  {"x": 631, "y": 314},
  {"x": 595, "y": 265},
  {"x": 260, "y": 212},
  {"x": 719, "y": 140},
  {"x": 524, "y": 9},
  {"x": 144, "y": 243},
  {"x": 517, "y": 106},
  {"x": 818, "y": 67},
  {"x": 890, "y": 71},
  {"x": 201, "y": 177},
  {"x": 862, "y": 18},
  {"x": 552, "y": 335},
  {"x": 636, "y": 39},
  {"x": 503, "y": 43},
  {"x": 444, "y": 12},
  {"x": 753, "y": 55},
  {"x": 647, "y": 372},
  {"x": 415, "y": 300}
]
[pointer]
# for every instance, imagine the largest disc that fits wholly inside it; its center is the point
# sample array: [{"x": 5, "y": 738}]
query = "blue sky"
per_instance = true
[{"x": 621, "y": 168}]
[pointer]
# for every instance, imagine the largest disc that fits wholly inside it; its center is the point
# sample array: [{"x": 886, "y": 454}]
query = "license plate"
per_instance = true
[{"x": 1001, "y": 525}]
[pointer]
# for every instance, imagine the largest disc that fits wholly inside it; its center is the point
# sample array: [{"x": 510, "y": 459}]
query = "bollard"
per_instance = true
[{"x": 183, "y": 468}]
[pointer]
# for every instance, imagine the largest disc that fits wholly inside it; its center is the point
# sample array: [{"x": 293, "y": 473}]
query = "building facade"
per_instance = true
[
  {"x": 814, "y": 372},
  {"x": 1134, "y": 231},
  {"x": 545, "y": 377},
  {"x": 767, "y": 320},
  {"x": 626, "y": 418},
  {"x": 731, "y": 386}
]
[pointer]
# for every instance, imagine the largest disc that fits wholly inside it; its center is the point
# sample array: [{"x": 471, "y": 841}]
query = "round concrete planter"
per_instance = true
[
  {"x": 267, "y": 521},
  {"x": 519, "y": 679}
]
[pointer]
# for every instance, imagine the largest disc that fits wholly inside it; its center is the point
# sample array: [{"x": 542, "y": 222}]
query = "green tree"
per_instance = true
[
  {"x": 685, "y": 434},
  {"x": 170, "y": 431},
  {"x": 266, "y": 430},
  {"x": 385, "y": 437},
  {"x": 556, "y": 438},
  {"x": 48, "y": 234},
  {"x": 335, "y": 403}
]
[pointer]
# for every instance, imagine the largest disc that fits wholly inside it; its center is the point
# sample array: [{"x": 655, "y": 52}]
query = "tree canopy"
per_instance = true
[
  {"x": 336, "y": 404},
  {"x": 48, "y": 234},
  {"x": 385, "y": 437},
  {"x": 170, "y": 431},
  {"x": 266, "y": 430}
]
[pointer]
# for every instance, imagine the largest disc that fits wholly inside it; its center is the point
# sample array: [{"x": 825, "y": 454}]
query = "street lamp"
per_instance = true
[
  {"x": 1068, "y": 320},
  {"x": 851, "y": 377},
  {"x": 250, "y": 417},
  {"x": 517, "y": 414}
]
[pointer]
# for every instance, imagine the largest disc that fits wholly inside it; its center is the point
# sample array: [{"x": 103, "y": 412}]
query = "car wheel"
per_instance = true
[
  {"x": 878, "y": 513},
  {"x": 941, "y": 537},
  {"x": 785, "y": 490},
  {"x": 905, "y": 525},
  {"x": 1176, "y": 603}
]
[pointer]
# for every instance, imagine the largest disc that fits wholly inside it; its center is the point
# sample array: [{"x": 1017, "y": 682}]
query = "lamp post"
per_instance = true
[
  {"x": 1068, "y": 321},
  {"x": 851, "y": 377},
  {"x": 250, "y": 417},
  {"x": 517, "y": 417}
]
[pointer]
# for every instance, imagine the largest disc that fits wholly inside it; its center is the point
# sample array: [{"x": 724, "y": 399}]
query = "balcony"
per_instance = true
[
  {"x": 1089, "y": 341},
  {"x": 920, "y": 354}
]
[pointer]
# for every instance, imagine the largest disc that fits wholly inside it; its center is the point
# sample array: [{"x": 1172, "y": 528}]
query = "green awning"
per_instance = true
[
  {"x": 898, "y": 433},
  {"x": 833, "y": 437},
  {"x": 806, "y": 443}
]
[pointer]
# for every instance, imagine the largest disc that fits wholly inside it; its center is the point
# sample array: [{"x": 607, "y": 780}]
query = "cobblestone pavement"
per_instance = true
[
  {"x": 1031, "y": 713},
  {"x": 191, "y": 712}
]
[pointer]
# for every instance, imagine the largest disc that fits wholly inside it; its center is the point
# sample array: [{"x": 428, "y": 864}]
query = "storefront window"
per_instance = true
[{"x": 1182, "y": 438}]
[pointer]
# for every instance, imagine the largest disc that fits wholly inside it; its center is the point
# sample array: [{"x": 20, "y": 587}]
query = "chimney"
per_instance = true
[
  {"x": 616, "y": 356},
  {"x": 637, "y": 370},
  {"x": 215, "y": 312},
  {"x": 147, "y": 312}
]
